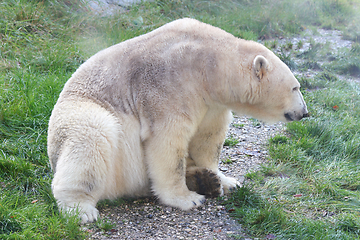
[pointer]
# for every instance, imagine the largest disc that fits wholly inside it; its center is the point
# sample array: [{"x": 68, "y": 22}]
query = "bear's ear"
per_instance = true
[{"x": 260, "y": 66}]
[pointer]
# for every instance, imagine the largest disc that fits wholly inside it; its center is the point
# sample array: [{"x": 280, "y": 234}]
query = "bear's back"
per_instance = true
[{"x": 122, "y": 75}]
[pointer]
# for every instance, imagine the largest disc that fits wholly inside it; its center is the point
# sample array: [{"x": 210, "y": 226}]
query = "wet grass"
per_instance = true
[
  {"x": 347, "y": 61},
  {"x": 44, "y": 42}
]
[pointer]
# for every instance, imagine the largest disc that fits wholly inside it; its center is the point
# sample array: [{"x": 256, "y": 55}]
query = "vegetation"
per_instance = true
[
  {"x": 309, "y": 188},
  {"x": 231, "y": 141}
]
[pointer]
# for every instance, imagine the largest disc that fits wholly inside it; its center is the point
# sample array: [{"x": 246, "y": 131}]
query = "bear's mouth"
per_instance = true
[
  {"x": 294, "y": 117},
  {"x": 288, "y": 117}
]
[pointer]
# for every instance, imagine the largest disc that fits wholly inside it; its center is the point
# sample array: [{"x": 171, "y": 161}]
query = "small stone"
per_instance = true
[
  {"x": 223, "y": 169},
  {"x": 220, "y": 208}
]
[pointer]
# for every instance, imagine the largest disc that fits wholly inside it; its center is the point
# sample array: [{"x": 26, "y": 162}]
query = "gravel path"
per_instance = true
[{"x": 146, "y": 218}]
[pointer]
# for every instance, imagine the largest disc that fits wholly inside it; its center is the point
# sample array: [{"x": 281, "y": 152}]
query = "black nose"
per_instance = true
[{"x": 306, "y": 115}]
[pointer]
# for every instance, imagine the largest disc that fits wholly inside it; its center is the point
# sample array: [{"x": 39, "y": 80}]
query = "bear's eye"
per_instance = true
[{"x": 295, "y": 89}]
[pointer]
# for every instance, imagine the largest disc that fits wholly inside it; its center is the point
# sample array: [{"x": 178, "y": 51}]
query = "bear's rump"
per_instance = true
[{"x": 105, "y": 150}]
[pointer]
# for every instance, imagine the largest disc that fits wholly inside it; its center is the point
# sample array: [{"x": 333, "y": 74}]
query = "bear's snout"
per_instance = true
[{"x": 295, "y": 117}]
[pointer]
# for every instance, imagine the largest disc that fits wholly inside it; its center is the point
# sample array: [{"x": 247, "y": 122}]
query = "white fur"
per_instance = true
[{"x": 134, "y": 115}]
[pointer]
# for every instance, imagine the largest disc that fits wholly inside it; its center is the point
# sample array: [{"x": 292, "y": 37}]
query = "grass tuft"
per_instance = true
[{"x": 231, "y": 141}]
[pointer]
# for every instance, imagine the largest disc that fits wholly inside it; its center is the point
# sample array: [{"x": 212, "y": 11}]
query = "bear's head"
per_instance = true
[{"x": 272, "y": 93}]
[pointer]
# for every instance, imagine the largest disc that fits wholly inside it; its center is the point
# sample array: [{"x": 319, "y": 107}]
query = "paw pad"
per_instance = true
[{"x": 204, "y": 182}]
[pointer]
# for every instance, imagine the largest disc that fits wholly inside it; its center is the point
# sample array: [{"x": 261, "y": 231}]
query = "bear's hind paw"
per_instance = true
[
  {"x": 184, "y": 202},
  {"x": 87, "y": 212},
  {"x": 90, "y": 214}
]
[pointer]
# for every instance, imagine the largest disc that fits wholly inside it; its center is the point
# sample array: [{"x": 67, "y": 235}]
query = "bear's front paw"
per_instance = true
[
  {"x": 185, "y": 201},
  {"x": 229, "y": 184},
  {"x": 203, "y": 181}
]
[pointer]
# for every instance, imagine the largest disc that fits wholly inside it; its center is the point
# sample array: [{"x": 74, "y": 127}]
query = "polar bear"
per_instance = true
[{"x": 135, "y": 117}]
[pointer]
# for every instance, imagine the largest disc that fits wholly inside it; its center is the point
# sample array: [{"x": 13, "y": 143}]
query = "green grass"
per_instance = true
[
  {"x": 347, "y": 61},
  {"x": 227, "y": 161},
  {"x": 231, "y": 141},
  {"x": 37, "y": 57},
  {"x": 44, "y": 42}
]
